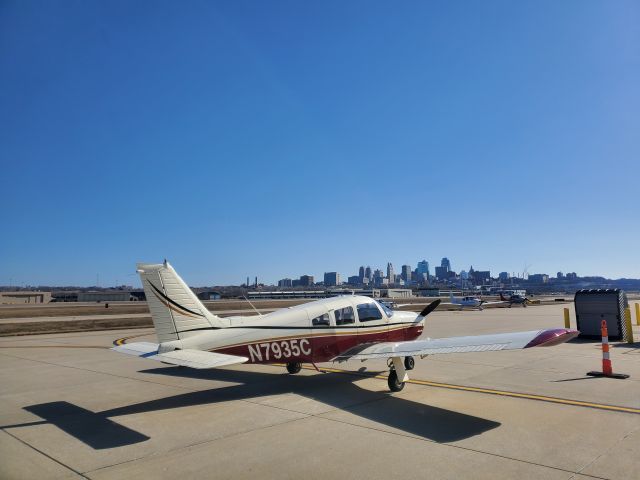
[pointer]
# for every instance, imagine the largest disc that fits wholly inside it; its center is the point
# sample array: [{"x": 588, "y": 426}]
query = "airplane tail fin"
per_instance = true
[{"x": 176, "y": 311}]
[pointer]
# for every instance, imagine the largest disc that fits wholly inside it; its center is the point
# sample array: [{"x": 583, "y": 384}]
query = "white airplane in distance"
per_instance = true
[
  {"x": 332, "y": 329},
  {"x": 471, "y": 302}
]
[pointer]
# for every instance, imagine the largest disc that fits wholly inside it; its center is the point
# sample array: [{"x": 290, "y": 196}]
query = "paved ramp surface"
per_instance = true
[{"x": 71, "y": 408}]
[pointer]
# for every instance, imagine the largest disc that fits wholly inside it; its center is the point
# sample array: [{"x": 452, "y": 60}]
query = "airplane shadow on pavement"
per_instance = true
[{"x": 334, "y": 389}]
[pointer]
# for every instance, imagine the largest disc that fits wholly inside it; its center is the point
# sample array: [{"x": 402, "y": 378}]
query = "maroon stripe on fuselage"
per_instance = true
[{"x": 316, "y": 348}]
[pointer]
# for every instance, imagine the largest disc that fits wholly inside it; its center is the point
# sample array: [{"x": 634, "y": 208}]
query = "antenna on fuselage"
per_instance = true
[{"x": 257, "y": 311}]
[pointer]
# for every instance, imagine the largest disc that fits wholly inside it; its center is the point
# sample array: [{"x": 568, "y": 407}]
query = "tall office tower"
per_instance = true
[
  {"x": 423, "y": 268},
  {"x": 368, "y": 273},
  {"x": 378, "y": 275},
  {"x": 306, "y": 280},
  {"x": 390, "y": 275},
  {"x": 406, "y": 273},
  {"x": 331, "y": 279},
  {"x": 445, "y": 263},
  {"x": 361, "y": 274}
]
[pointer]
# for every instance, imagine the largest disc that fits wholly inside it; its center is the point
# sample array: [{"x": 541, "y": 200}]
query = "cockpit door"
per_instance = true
[{"x": 373, "y": 323}]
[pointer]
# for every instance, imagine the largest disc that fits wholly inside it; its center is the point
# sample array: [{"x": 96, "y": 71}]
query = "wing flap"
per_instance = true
[
  {"x": 185, "y": 358},
  {"x": 199, "y": 358},
  {"x": 479, "y": 343}
]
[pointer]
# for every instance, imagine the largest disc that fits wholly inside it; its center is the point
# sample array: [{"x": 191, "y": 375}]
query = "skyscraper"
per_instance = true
[
  {"x": 445, "y": 263},
  {"x": 390, "y": 274},
  {"x": 368, "y": 273},
  {"x": 331, "y": 279},
  {"x": 306, "y": 280},
  {"x": 406, "y": 273},
  {"x": 361, "y": 274},
  {"x": 423, "y": 268}
]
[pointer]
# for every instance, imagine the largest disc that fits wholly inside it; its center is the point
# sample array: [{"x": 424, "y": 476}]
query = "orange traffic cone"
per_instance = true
[{"x": 607, "y": 369}]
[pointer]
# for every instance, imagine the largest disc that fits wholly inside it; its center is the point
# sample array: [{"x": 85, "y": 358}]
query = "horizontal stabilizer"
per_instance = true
[
  {"x": 185, "y": 358},
  {"x": 138, "y": 349}
]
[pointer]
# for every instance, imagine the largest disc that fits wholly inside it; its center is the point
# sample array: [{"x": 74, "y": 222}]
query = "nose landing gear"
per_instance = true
[
  {"x": 395, "y": 385},
  {"x": 294, "y": 367},
  {"x": 398, "y": 372}
]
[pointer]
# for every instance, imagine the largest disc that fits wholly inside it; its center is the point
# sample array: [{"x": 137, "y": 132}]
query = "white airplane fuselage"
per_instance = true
[
  {"x": 317, "y": 331},
  {"x": 473, "y": 302}
]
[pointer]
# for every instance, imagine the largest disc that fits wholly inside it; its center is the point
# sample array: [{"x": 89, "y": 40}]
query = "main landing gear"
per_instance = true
[
  {"x": 294, "y": 367},
  {"x": 409, "y": 363},
  {"x": 398, "y": 372}
]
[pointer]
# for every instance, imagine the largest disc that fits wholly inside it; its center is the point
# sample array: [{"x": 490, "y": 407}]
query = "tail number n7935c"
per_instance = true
[{"x": 260, "y": 352}]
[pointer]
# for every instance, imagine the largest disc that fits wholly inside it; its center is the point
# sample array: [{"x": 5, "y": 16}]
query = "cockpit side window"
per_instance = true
[
  {"x": 386, "y": 309},
  {"x": 321, "y": 320},
  {"x": 344, "y": 316},
  {"x": 368, "y": 312}
]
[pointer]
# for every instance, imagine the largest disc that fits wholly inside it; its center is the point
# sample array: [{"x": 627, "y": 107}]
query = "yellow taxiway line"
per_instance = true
[{"x": 490, "y": 391}]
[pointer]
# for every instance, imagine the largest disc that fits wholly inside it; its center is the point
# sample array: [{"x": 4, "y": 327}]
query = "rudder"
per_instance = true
[{"x": 176, "y": 311}]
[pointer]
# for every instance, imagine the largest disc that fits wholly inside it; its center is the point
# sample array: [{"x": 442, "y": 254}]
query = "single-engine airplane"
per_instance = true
[
  {"x": 332, "y": 329},
  {"x": 515, "y": 300},
  {"x": 471, "y": 302}
]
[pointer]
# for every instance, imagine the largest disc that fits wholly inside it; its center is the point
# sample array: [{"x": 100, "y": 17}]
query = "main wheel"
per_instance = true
[
  {"x": 409, "y": 363},
  {"x": 294, "y": 367},
  {"x": 395, "y": 385}
]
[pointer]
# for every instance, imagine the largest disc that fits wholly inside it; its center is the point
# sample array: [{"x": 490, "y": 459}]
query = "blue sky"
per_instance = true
[{"x": 286, "y": 138}]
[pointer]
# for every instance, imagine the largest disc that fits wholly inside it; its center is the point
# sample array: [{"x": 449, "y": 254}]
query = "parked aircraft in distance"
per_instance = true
[
  {"x": 515, "y": 300},
  {"x": 332, "y": 329},
  {"x": 471, "y": 302}
]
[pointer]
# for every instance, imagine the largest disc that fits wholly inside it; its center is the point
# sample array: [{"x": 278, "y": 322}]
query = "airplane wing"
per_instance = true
[
  {"x": 185, "y": 358},
  {"x": 480, "y": 343}
]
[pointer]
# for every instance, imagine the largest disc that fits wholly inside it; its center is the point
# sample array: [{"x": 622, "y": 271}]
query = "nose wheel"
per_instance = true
[
  {"x": 395, "y": 385},
  {"x": 294, "y": 367},
  {"x": 398, "y": 368}
]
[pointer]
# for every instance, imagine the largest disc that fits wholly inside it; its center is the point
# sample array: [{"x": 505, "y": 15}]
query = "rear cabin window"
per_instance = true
[
  {"x": 368, "y": 312},
  {"x": 344, "y": 316},
  {"x": 321, "y": 320}
]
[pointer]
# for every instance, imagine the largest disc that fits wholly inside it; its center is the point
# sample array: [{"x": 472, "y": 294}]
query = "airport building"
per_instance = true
[
  {"x": 209, "y": 295},
  {"x": 16, "y": 298},
  {"x": 114, "y": 296}
]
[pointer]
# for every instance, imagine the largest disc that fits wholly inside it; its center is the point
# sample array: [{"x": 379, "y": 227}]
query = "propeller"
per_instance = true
[{"x": 430, "y": 308}]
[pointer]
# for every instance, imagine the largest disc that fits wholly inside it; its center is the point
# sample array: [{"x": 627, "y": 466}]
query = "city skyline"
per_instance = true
[
  {"x": 313, "y": 278},
  {"x": 316, "y": 137}
]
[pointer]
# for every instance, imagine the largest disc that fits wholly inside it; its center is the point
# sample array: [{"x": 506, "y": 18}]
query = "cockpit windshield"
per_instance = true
[{"x": 386, "y": 309}]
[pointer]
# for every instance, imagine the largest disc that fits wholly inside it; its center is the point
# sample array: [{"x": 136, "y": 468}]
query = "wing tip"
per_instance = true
[{"x": 551, "y": 337}]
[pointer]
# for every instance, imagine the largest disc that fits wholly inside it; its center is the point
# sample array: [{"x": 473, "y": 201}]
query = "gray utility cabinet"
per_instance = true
[{"x": 593, "y": 306}]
